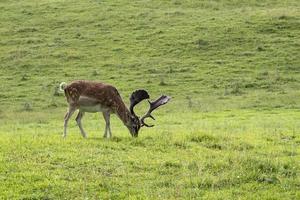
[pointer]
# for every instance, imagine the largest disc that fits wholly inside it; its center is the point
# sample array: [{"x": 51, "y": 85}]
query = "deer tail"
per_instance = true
[{"x": 62, "y": 86}]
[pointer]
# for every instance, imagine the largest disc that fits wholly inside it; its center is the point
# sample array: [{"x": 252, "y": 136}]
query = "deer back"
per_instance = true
[{"x": 101, "y": 93}]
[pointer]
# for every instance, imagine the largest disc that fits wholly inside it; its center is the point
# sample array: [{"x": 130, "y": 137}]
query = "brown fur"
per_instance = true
[{"x": 105, "y": 94}]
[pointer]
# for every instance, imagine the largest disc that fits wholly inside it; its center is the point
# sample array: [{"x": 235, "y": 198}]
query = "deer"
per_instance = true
[{"x": 91, "y": 97}]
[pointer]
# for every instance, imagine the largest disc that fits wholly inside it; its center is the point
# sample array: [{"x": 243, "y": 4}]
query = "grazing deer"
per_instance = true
[{"x": 89, "y": 96}]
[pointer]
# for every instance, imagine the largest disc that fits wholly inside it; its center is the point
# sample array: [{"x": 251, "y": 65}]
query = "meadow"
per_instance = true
[{"x": 231, "y": 130}]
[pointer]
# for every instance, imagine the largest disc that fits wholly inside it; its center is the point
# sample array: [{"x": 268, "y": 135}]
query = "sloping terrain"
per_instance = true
[{"x": 231, "y": 130}]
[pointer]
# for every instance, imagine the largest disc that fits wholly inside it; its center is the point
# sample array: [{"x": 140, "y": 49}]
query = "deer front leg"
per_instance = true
[
  {"x": 78, "y": 120},
  {"x": 107, "y": 132},
  {"x": 67, "y": 117}
]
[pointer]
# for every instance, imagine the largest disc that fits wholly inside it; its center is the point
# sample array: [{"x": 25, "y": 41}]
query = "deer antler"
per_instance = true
[
  {"x": 136, "y": 97},
  {"x": 153, "y": 105}
]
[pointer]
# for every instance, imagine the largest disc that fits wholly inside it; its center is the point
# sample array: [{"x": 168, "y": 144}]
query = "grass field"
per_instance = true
[{"x": 231, "y": 130}]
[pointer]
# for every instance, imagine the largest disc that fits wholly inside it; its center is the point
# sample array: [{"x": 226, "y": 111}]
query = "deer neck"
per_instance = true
[{"x": 124, "y": 114}]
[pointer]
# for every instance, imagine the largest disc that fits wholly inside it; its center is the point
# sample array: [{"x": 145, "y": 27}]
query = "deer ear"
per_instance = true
[{"x": 136, "y": 97}]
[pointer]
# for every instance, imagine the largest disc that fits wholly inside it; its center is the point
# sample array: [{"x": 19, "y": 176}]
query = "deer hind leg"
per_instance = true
[
  {"x": 107, "y": 132},
  {"x": 67, "y": 117},
  {"x": 78, "y": 120}
]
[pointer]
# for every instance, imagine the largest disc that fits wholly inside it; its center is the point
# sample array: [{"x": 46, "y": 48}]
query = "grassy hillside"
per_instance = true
[
  {"x": 231, "y": 130},
  {"x": 185, "y": 48}
]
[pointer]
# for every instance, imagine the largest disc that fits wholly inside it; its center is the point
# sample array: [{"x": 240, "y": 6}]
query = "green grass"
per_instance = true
[{"x": 231, "y": 130}]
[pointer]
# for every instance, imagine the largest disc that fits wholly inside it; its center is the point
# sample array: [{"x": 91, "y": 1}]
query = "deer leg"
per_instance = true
[
  {"x": 107, "y": 132},
  {"x": 78, "y": 120},
  {"x": 67, "y": 117}
]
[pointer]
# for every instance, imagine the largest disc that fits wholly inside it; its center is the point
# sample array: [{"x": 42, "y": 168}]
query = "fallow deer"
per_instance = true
[{"x": 89, "y": 96}]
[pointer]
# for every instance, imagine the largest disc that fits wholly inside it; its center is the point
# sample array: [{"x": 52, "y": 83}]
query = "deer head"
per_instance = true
[{"x": 136, "y": 122}]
